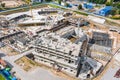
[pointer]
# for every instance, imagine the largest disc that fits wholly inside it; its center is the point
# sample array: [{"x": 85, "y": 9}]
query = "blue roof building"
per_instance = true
[
  {"x": 88, "y": 5},
  {"x": 105, "y": 11}
]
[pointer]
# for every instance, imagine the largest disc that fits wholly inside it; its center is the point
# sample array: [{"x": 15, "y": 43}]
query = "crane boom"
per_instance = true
[{"x": 30, "y": 6}]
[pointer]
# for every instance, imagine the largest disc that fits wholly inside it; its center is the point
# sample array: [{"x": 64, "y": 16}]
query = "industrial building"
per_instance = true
[
  {"x": 11, "y": 35},
  {"x": 64, "y": 55},
  {"x": 105, "y": 11},
  {"x": 37, "y": 18},
  {"x": 101, "y": 46},
  {"x": 47, "y": 11}
]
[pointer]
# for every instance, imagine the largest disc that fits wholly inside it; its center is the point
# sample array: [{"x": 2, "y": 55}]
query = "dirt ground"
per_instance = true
[
  {"x": 29, "y": 65},
  {"x": 12, "y": 3},
  {"x": 26, "y": 64},
  {"x": 117, "y": 35},
  {"x": 60, "y": 74},
  {"x": 9, "y": 51}
]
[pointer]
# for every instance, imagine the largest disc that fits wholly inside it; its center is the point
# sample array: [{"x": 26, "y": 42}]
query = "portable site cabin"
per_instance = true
[
  {"x": 105, "y": 11},
  {"x": 88, "y": 5}
]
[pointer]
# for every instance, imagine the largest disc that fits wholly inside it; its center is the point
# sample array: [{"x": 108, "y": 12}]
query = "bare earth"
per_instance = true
[{"x": 12, "y": 3}]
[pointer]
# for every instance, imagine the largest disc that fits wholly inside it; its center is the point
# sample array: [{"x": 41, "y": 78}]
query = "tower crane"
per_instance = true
[{"x": 30, "y": 6}]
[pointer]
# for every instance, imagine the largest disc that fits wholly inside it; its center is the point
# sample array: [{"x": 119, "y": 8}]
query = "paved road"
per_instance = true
[
  {"x": 88, "y": 13},
  {"x": 37, "y": 74},
  {"x": 113, "y": 68},
  {"x": 66, "y": 8},
  {"x": 109, "y": 75}
]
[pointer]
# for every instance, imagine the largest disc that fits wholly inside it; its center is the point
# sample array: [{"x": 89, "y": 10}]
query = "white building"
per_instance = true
[{"x": 62, "y": 54}]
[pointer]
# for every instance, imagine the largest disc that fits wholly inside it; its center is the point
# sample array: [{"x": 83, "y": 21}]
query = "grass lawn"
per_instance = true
[
  {"x": 82, "y": 13},
  {"x": 1, "y": 77},
  {"x": 56, "y": 6},
  {"x": 78, "y": 12}
]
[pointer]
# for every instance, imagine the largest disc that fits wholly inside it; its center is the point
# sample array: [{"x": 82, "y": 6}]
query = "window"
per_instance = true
[
  {"x": 45, "y": 61},
  {"x": 76, "y": 56},
  {"x": 51, "y": 63},
  {"x": 66, "y": 59},
  {"x": 72, "y": 61},
  {"x": 71, "y": 70},
  {"x": 69, "y": 61}
]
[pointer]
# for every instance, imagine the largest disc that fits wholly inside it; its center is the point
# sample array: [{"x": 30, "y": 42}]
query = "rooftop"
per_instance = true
[{"x": 54, "y": 41}]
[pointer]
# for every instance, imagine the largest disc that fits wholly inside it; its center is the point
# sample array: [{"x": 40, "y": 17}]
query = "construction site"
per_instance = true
[
  {"x": 12, "y": 3},
  {"x": 61, "y": 39}
]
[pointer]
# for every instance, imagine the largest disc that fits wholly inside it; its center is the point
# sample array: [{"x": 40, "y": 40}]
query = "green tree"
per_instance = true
[
  {"x": 66, "y": 4},
  {"x": 48, "y": 0},
  {"x": 3, "y": 4},
  {"x": 59, "y": 2},
  {"x": 100, "y": 2},
  {"x": 97, "y": 1},
  {"x": 28, "y": 1},
  {"x": 89, "y": 0},
  {"x": 80, "y": 6},
  {"x": 113, "y": 11},
  {"x": 107, "y": 4},
  {"x": 119, "y": 11},
  {"x": 111, "y": 2},
  {"x": 118, "y": 5},
  {"x": 104, "y": 1}
]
